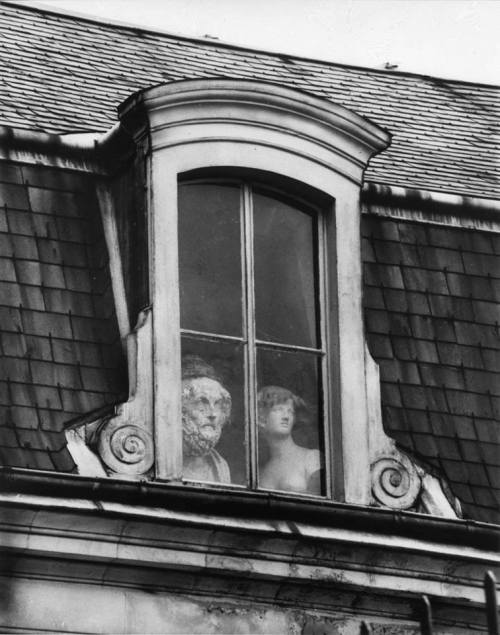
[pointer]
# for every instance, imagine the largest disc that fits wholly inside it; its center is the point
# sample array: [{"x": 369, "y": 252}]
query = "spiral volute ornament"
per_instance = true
[
  {"x": 126, "y": 448},
  {"x": 395, "y": 482}
]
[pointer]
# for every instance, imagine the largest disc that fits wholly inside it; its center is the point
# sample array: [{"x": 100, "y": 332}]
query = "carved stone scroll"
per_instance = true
[
  {"x": 395, "y": 482},
  {"x": 125, "y": 448}
]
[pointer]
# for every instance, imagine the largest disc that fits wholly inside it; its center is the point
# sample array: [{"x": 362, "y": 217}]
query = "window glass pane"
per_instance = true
[
  {"x": 285, "y": 280},
  {"x": 210, "y": 258},
  {"x": 291, "y": 448},
  {"x": 213, "y": 411}
]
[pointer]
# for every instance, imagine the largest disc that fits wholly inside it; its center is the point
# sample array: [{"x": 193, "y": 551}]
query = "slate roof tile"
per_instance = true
[
  {"x": 472, "y": 333},
  {"x": 491, "y": 359},
  {"x": 384, "y": 275},
  {"x": 408, "y": 348},
  {"x": 457, "y": 355},
  {"x": 53, "y": 201},
  {"x": 447, "y": 425},
  {"x": 45, "y": 324},
  {"x": 9, "y": 437},
  {"x": 88, "y": 71},
  {"x": 64, "y": 300},
  {"x": 380, "y": 347},
  {"x": 417, "y": 279},
  {"x": 404, "y": 372},
  {"x": 53, "y": 374},
  {"x": 13, "y": 196},
  {"x": 26, "y": 394},
  {"x": 487, "y": 430},
  {"x": 3, "y": 220},
  {"x": 425, "y": 327},
  {"x": 40, "y": 440},
  {"x": 449, "y": 404},
  {"x": 485, "y": 497},
  {"x": 42, "y": 354},
  {"x": 11, "y": 173},
  {"x": 373, "y": 297},
  {"x": 450, "y": 307},
  {"x": 438, "y": 375},
  {"x": 482, "y": 264},
  {"x": 487, "y": 452},
  {"x": 19, "y": 417},
  {"x": 77, "y": 279},
  {"x": 472, "y": 451},
  {"x": 482, "y": 242},
  {"x": 486, "y": 312},
  {"x": 471, "y": 286},
  {"x": 55, "y": 420},
  {"x": 392, "y": 253},
  {"x": 441, "y": 259},
  {"x": 390, "y": 394},
  {"x": 396, "y": 299},
  {"x": 481, "y": 381},
  {"x": 476, "y": 404},
  {"x": 25, "y": 458},
  {"x": 425, "y": 444},
  {"x": 415, "y": 396},
  {"x": 62, "y": 461},
  {"x": 7, "y": 270}
]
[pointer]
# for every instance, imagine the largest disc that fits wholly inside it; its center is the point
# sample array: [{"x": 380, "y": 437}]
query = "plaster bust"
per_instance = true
[
  {"x": 291, "y": 467},
  {"x": 206, "y": 408}
]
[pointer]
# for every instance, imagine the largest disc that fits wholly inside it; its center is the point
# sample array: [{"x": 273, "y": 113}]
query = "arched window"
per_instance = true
[
  {"x": 251, "y": 281},
  {"x": 248, "y": 366}
]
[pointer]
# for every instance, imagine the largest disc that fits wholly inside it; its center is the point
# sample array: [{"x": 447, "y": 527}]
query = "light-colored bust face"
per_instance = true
[
  {"x": 279, "y": 420},
  {"x": 206, "y": 406}
]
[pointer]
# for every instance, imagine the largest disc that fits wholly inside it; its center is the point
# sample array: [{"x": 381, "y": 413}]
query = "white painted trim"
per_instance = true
[
  {"x": 108, "y": 216},
  {"x": 275, "y": 528},
  {"x": 106, "y": 534},
  {"x": 241, "y": 124}
]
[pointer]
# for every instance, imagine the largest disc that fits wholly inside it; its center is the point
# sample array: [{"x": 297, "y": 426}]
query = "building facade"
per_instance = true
[{"x": 249, "y": 336}]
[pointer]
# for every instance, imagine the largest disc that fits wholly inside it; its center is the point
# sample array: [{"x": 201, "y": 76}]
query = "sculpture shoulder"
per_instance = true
[
  {"x": 221, "y": 467},
  {"x": 312, "y": 459}
]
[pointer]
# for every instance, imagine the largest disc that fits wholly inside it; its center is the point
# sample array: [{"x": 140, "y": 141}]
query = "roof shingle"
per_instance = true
[
  {"x": 439, "y": 387},
  {"x": 445, "y": 133},
  {"x": 61, "y": 355}
]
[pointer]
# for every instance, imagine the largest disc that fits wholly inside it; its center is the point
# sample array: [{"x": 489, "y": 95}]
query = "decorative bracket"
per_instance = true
[
  {"x": 395, "y": 481},
  {"x": 125, "y": 440},
  {"x": 122, "y": 441},
  {"x": 398, "y": 481}
]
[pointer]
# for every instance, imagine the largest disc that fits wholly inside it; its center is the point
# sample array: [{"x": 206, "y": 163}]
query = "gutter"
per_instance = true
[
  {"x": 378, "y": 194},
  {"x": 255, "y": 505}
]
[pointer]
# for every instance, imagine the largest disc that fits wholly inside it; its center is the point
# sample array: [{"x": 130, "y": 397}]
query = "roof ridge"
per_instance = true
[{"x": 110, "y": 23}]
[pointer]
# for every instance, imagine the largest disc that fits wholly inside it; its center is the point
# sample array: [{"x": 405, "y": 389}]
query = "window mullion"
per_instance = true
[
  {"x": 324, "y": 300},
  {"x": 250, "y": 350}
]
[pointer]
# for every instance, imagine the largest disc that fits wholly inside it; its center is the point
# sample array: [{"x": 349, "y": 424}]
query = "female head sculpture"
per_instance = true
[
  {"x": 278, "y": 410},
  {"x": 290, "y": 467}
]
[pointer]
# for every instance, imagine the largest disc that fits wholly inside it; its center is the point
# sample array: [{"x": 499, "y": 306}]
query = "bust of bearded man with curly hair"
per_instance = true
[{"x": 206, "y": 408}]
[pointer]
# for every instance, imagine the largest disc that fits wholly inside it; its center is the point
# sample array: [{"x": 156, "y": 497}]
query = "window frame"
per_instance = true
[
  {"x": 222, "y": 125},
  {"x": 316, "y": 204}
]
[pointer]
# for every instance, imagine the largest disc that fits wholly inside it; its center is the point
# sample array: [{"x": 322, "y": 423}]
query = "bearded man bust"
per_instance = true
[{"x": 206, "y": 408}]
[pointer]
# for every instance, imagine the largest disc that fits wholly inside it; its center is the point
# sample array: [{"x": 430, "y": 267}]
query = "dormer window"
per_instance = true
[{"x": 248, "y": 366}]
